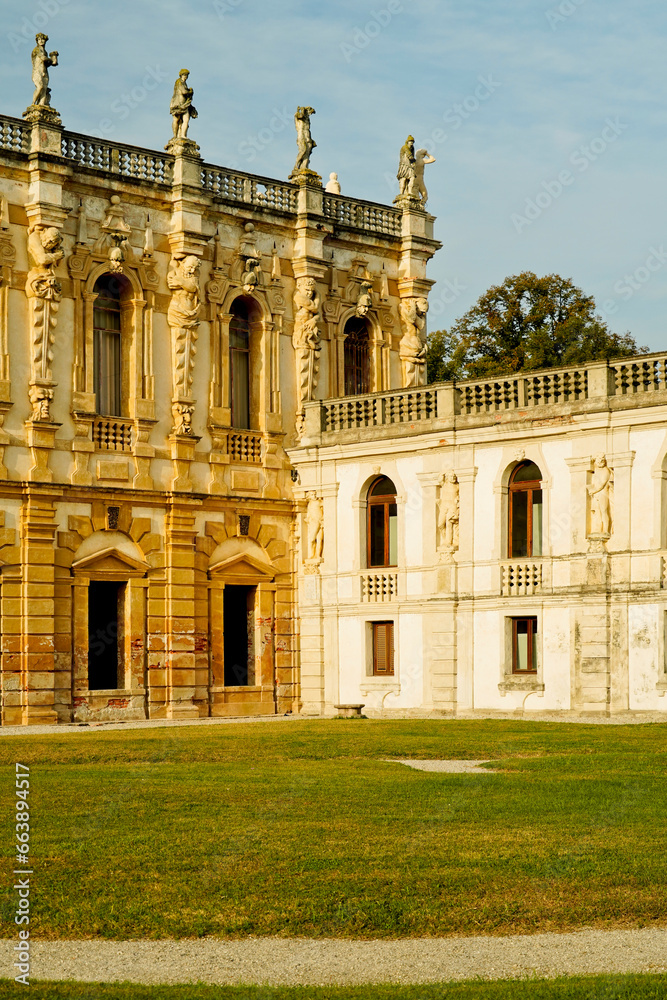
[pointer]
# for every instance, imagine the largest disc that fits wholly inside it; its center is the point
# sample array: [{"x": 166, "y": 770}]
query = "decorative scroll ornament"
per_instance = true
[
  {"x": 183, "y": 318},
  {"x": 412, "y": 348},
  {"x": 306, "y": 341},
  {"x": 44, "y": 293},
  {"x": 182, "y": 413}
]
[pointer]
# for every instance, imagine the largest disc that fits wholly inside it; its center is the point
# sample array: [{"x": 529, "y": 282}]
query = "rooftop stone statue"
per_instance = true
[
  {"x": 41, "y": 60},
  {"x": 181, "y": 108},
  {"x": 304, "y": 141}
]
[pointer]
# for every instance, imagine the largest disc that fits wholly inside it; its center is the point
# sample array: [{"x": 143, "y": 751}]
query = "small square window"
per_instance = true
[
  {"x": 383, "y": 649},
  {"x": 524, "y": 645}
]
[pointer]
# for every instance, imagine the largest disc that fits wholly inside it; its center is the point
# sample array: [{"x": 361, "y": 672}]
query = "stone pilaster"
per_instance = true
[
  {"x": 38, "y": 624},
  {"x": 180, "y": 660}
]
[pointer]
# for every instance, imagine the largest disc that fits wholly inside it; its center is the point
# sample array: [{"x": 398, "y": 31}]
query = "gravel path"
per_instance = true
[
  {"x": 448, "y": 766},
  {"x": 281, "y": 961}
]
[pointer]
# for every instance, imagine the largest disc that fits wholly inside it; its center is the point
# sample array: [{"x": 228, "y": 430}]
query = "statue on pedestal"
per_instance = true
[
  {"x": 599, "y": 490},
  {"x": 448, "y": 514},
  {"x": 181, "y": 108},
  {"x": 304, "y": 141},
  {"x": 315, "y": 526},
  {"x": 406, "y": 169},
  {"x": 41, "y": 61},
  {"x": 422, "y": 157}
]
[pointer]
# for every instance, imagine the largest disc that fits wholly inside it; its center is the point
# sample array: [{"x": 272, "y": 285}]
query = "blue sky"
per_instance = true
[{"x": 548, "y": 120}]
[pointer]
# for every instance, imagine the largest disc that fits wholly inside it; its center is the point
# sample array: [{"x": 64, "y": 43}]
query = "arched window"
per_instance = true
[
  {"x": 525, "y": 511},
  {"x": 239, "y": 365},
  {"x": 382, "y": 523},
  {"x": 356, "y": 359},
  {"x": 107, "y": 345}
]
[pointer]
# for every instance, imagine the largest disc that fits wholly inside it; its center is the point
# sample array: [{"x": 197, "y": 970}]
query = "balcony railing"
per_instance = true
[
  {"x": 260, "y": 191},
  {"x": 112, "y": 434},
  {"x": 117, "y": 158},
  {"x": 364, "y": 215},
  {"x": 520, "y": 578},
  {"x": 14, "y": 134},
  {"x": 379, "y": 586},
  {"x": 245, "y": 447}
]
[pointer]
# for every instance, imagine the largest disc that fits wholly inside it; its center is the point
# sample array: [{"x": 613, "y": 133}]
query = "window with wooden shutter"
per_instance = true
[{"x": 383, "y": 648}]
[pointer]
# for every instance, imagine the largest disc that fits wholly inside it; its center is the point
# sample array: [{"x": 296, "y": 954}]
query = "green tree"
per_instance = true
[{"x": 524, "y": 324}]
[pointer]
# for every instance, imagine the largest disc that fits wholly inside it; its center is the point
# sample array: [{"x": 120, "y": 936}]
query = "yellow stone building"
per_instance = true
[{"x": 163, "y": 325}]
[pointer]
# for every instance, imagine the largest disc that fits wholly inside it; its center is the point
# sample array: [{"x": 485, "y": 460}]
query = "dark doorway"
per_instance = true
[
  {"x": 104, "y": 603},
  {"x": 238, "y": 603}
]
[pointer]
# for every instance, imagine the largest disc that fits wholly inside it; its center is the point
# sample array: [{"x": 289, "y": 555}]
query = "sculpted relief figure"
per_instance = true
[
  {"x": 306, "y": 339},
  {"x": 183, "y": 318},
  {"x": 448, "y": 512},
  {"x": 315, "y": 526},
  {"x": 365, "y": 300},
  {"x": 181, "y": 108},
  {"x": 599, "y": 491},
  {"x": 304, "y": 141},
  {"x": 41, "y": 61},
  {"x": 412, "y": 348},
  {"x": 44, "y": 293}
]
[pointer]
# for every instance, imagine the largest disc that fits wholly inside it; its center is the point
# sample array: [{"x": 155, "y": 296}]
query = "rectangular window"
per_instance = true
[
  {"x": 383, "y": 648},
  {"x": 524, "y": 645}
]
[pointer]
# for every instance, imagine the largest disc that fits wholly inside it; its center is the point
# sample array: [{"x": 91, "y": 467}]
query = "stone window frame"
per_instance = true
[{"x": 525, "y": 681}]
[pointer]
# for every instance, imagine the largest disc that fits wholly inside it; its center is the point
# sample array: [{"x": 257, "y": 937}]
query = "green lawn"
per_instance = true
[
  {"x": 585, "y": 988},
  {"x": 300, "y": 828}
]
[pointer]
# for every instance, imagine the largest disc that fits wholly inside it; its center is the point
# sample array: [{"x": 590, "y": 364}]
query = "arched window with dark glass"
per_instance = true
[
  {"x": 356, "y": 358},
  {"x": 239, "y": 365},
  {"x": 525, "y": 511},
  {"x": 107, "y": 345},
  {"x": 382, "y": 523}
]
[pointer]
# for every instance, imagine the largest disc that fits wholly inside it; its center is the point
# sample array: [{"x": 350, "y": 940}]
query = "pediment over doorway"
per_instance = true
[
  {"x": 110, "y": 555},
  {"x": 241, "y": 559}
]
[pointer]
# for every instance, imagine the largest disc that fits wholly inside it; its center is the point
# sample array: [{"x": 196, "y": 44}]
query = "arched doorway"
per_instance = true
[{"x": 356, "y": 358}]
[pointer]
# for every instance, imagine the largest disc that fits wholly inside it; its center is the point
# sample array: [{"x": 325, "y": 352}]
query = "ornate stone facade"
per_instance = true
[{"x": 163, "y": 324}]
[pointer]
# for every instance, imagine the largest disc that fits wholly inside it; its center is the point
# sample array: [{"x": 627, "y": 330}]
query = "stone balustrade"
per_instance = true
[
  {"x": 245, "y": 447},
  {"x": 14, "y": 134},
  {"x": 379, "y": 586},
  {"x": 117, "y": 158},
  {"x": 364, "y": 215},
  {"x": 261, "y": 191},
  {"x": 520, "y": 578},
  {"x": 604, "y": 382},
  {"x": 112, "y": 434}
]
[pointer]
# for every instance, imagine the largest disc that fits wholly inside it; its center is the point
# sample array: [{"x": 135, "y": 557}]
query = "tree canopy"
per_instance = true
[{"x": 524, "y": 324}]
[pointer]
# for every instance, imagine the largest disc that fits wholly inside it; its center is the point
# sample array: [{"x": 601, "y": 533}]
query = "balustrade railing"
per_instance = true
[
  {"x": 245, "y": 447},
  {"x": 261, "y": 191},
  {"x": 117, "y": 158},
  {"x": 489, "y": 396},
  {"x": 112, "y": 434},
  {"x": 14, "y": 134},
  {"x": 362, "y": 215},
  {"x": 635, "y": 375},
  {"x": 400, "y": 407},
  {"x": 558, "y": 386},
  {"x": 520, "y": 578},
  {"x": 379, "y": 586}
]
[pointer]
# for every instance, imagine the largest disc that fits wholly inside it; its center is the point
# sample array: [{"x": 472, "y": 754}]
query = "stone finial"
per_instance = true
[{"x": 332, "y": 186}]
